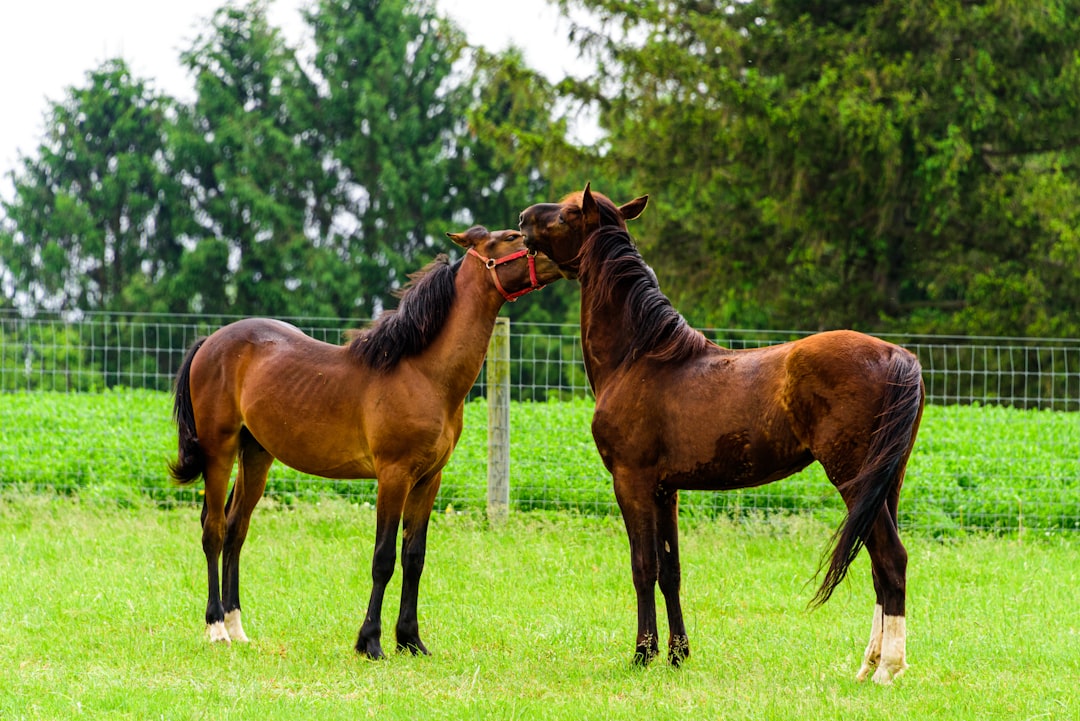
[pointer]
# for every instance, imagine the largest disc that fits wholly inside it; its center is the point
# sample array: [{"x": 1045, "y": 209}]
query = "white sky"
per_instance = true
[{"x": 47, "y": 46}]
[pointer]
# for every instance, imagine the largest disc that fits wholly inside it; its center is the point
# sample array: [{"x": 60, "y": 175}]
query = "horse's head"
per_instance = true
[
  {"x": 559, "y": 229},
  {"x": 515, "y": 269}
]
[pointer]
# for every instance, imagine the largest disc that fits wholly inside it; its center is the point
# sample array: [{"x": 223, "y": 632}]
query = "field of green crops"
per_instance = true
[{"x": 991, "y": 468}]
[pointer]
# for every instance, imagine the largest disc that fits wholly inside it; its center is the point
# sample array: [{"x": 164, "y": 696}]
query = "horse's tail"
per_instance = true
[
  {"x": 882, "y": 471},
  {"x": 190, "y": 463}
]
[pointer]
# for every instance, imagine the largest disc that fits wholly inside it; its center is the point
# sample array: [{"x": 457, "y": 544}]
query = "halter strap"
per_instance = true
[{"x": 492, "y": 263}]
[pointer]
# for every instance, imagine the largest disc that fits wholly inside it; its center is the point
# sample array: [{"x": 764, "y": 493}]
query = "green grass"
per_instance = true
[
  {"x": 102, "y": 615},
  {"x": 990, "y": 468}
]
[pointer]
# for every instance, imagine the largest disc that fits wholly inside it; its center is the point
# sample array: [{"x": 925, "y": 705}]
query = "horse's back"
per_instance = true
[
  {"x": 253, "y": 333},
  {"x": 710, "y": 422},
  {"x": 737, "y": 418},
  {"x": 251, "y": 343},
  {"x": 842, "y": 364}
]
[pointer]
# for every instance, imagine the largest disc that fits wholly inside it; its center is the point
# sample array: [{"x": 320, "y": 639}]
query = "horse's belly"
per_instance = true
[
  {"x": 734, "y": 462},
  {"x": 337, "y": 469},
  {"x": 316, "y": 449},
  {"x": 327, "y": 465}
]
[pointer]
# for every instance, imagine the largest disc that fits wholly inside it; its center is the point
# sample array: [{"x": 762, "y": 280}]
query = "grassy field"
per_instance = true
[
  {"x": 991, "y": 468},
  {"x": 102, "y": 614}
]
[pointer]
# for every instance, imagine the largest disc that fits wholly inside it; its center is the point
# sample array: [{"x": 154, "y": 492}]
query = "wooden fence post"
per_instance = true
[{"x": 498, "y": 392}]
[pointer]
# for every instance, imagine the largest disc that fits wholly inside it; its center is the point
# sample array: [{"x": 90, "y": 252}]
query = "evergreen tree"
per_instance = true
[
  {"x": 389, "y": 108},
  {"x": 96, "y": 217},
  {"x": 882, "y": 165},
  {"x": 251, "y": 162}
]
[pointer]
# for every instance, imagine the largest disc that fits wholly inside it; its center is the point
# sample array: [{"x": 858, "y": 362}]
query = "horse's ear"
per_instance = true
[
  {"x": 472, "y": 237},
  {"x": 633, "y": 209},
  {"x": 589, "y": 208}
]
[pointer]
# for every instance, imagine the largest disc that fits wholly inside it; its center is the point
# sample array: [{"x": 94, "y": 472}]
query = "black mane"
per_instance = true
[
  {"x": 414, "y": 324},
  {"x": 609, "y": 212},
  {"x": 612, "y": 265}
]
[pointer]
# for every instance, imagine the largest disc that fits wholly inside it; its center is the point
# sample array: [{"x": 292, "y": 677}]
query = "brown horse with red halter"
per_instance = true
[
  {"x": 387, "y": 405},
  {"x": 675, "y": 411}
]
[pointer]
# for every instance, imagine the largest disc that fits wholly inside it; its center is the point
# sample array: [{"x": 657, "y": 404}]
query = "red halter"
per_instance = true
[{"x": 492, "y": 263}]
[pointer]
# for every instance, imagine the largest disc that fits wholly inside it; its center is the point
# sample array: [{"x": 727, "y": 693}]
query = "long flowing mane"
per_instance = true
[
  {"x": 414, "y": 324},
  {"x": 611, "y": 264}
]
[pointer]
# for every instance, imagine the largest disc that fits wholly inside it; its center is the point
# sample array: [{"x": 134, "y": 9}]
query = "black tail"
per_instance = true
[
  {"x": 189, "y": 463},
  {"x": 882, "y": 471}
]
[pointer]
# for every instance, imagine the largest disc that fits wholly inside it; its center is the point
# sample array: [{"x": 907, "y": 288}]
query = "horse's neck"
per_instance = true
[
  {"x": 455, "y": 359},
  {"x": 604, "y": 340}
]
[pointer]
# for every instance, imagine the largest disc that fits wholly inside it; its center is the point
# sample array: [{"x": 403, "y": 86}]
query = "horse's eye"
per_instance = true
[{"x": 562, "y": 219}]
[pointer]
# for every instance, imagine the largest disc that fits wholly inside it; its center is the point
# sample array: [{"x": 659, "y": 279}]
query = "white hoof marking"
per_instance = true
[
  {"x": 873, "y": 649},
  {"x": 893, "y": 650},
  {"x": 884, "y": 676},
  {"x": 233, "y": 627},
  {"x": 217, "y": 633}
]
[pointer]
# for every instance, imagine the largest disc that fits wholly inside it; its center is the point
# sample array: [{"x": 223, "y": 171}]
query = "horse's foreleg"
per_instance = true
[
  {"x": 413, "y": 550},
  {"x": 670, "y": 577},
  {"x": 250, "y": 483},
  {"x": 639, "y": 513},
  {"x": 388, "y": 508}
]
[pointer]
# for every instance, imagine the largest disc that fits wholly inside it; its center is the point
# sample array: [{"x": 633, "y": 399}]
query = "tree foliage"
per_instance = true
[
  {"x": 96, "y": 214},
  {"x": 883, "y": 165},
  {"x": 518, "y": 147},
  {"x": 389, "y": 112},
  {"x": 288, "y": 186},
  {"x": 250, "y": 161}
]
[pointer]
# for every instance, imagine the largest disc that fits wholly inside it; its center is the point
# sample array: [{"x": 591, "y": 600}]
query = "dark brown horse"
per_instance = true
[
  {"x": 675, "y": 411},
  {"x": 387, "y": 405}
]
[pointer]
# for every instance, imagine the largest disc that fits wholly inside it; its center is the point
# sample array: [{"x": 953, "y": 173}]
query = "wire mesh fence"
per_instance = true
[{"x": 85, "y": 409}]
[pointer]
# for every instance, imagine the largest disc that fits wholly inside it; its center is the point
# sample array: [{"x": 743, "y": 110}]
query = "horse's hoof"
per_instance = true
[
  {"x": 370, "y": 648},
  {"x": 644, "y": 654},
  {"x": 233, "y": 627},
  {"x": 217, "y": 634},
  {"x": 886, "y": 675},
  {"x": 416, "y": 647},
  {"x": 678, "y": 650}
]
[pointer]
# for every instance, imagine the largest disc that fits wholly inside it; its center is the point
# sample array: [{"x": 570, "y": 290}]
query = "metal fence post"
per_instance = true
[{"x": 498, "y": 392}]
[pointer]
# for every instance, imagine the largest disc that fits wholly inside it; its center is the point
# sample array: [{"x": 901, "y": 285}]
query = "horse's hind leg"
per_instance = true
[
  {"x": 216, "y": 475},
  {"x": 872, "y": 655},
  {"x": 414, "y": 529},
  {"x": 250, "y": 483},
  {"x": 886, "y": 650}
]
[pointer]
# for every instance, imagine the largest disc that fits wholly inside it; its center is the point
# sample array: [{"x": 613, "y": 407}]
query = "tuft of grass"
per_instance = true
[{"x": 102, "y": 609}]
